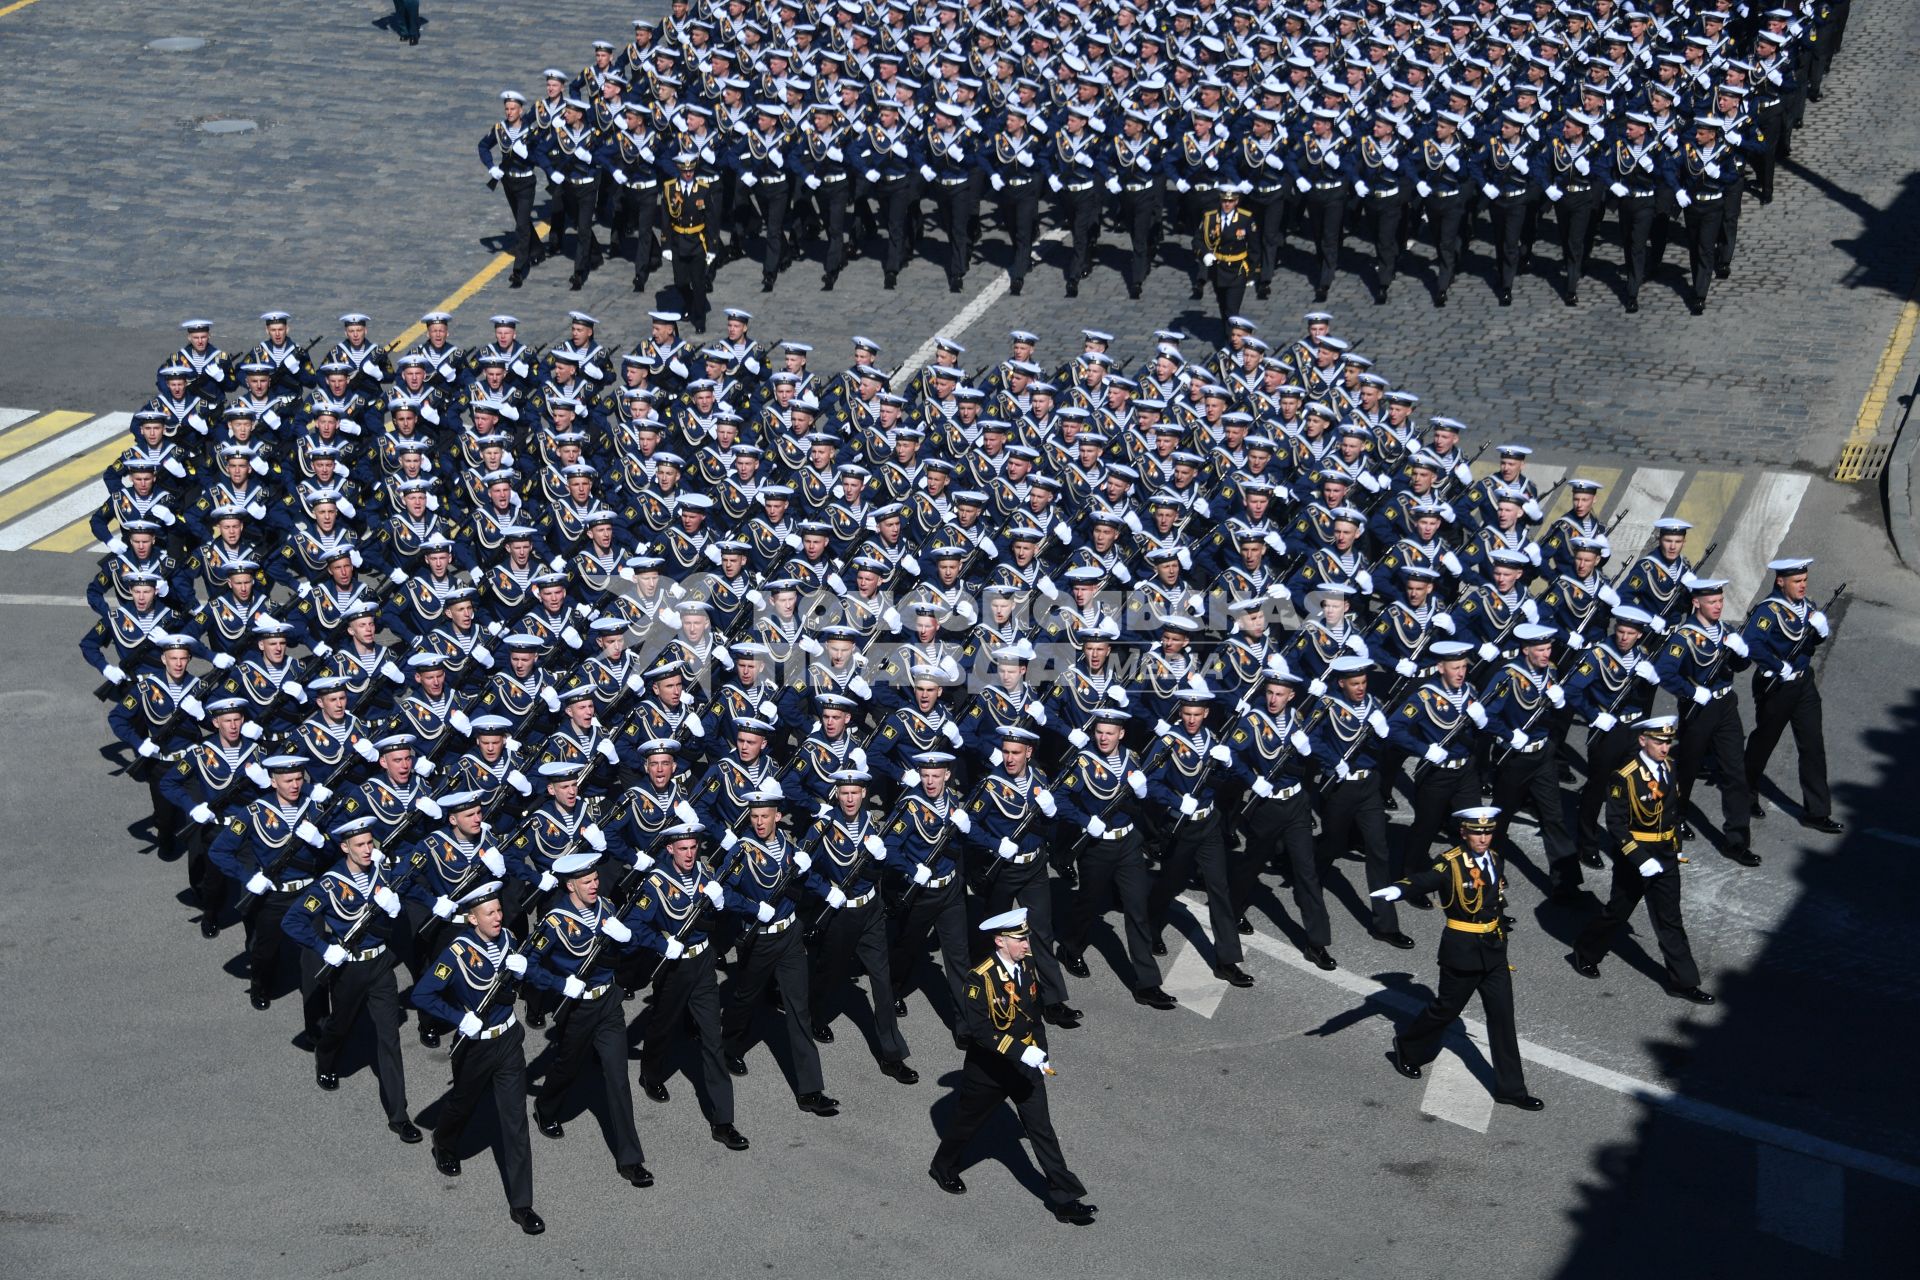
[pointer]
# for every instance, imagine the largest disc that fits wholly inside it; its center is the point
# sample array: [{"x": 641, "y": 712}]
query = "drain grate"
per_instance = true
[{"x": 1863, "y": 461}]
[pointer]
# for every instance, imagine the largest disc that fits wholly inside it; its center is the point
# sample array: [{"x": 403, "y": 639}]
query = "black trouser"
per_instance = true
[
  {"x": 1270, "y": 211},
  {"x": 1355, "y": 807},
  {"x": 209, "y": 884},
  {"x": 857, "y": 933},
  {"x": 499, "y": 1064},
  {"x": 1578, "y": 216},
  {"x": 987, "y": 1079},
  {"x": 1512, "y": 217},
  {"x": 686, "y": 987},
  {"x": 1715, "y": 730},
  {"x": 1020, "y": 210},
  {"x": 691, "y": 277},
  {"x": 1447, "y": 211},
  {"x": 265, "y": 943},
  {"x": 1198, "y": 842},
  {"x": 1638, "y": 217},
  {"x": 1002, "y": 885},
  {"x": 369, "y": 985},
  {"x": 1772, "y": 122},
  {"x": 1438, "y": 794},
  {"x": 1080, "y": 215},
  {"x": 1704, "y": 221},
  {"x": 831, "y": 199},
  {"x": 1116, "y": 868},
  {"x": 576, "y": 199},
  {"x": 1286, "y": 825},
  {"x": 773, "y": 199},
  {"x": 1420, "y": 1039},
  {"x": 779, "y": 958},
  {"x": 1140, "y": 214},
  {"x": 167, "y": 817},
  {"x": 1230, "y": 289},
  {"x": 519, "y": 193},
  {"x": 956, "y": 206},
  {"x": 1662, "y": 893},
  {"x": 943, "y": 912},
  {"x": 896, "y": 197},
  {"x": 1729, "y": 223},
  {"x": 1532, "y": 779},
  {"x": 1386, "y": 215},
  {"x": 1606, "y": 752},
  {"x": 1777, "y": 704},
  {"x": 636, "y": 211},
  {"x": 598, "y": 1027},
  {"x": 1324, "y": 210}
]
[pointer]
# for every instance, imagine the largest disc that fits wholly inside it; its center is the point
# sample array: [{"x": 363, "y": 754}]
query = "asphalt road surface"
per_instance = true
[{"x": 156, "y": 1126}]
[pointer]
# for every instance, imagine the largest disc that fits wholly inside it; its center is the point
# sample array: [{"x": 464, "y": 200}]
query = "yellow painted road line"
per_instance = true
[
  {"x": 44, "y": 427},
  {"x": 1562, "y": 502},
  {"x": 16, "y": 502},
  {"x": 77, "y": 536},
  {"x": 1866, "y": 424},
  {"x": 452, "y": 302},
  {"x": 16, "y": 6},
  {"x": 1705, "y": 505}
]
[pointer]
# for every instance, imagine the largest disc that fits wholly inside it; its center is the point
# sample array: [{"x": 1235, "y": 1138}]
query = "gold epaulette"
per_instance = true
[
  {"x": 984, "y": 967},
  {"x": 1628, "y": 769}
]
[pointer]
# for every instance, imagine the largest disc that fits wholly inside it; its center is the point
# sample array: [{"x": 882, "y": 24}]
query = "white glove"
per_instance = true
[
  {"x": 1391, "y": 162},
  {"x": 1650, "y": 868},
  {"x": 364, "y": 749},
  {"x": 334, "y": 956},
  {"x": 1557, "y": 696},
  {"x": 1575, "y": 640},
  {"x": 548, "y": 882},
  {"x": 675, "y": 949},
  {"x": 1043, "y": 798},
  {"x": 1207, "y": 260},
  {"x": 1490, "y": 191},
  {"x": 1619, "y": 189},
  {"x": 1580, "y": 165},
  {"x": 1300, "y": 184},
  {"x": 1262, "y": 788},
  {"x": 310, "y": 833},
  {"x": 1096, "y": 826},
  {"x": 1712, "y": 168},
  {"x": 393, "y": 672},
  {"x": 1078, "y": 738},
  {"x": 1605, "y": 721},
  {"x": 836, "y": 898},
  {"x": 613, "y": 928},
  {"x": 694, "y": 725},
  {"x": 1377, "y": 722},
  {"x": 1188, "y": 806},
  {"x": 748, "y": 179},
  {"x": 458, "y": 719},
  {"x": 951, "y": 732},
  {"x": 860, "y": 688},
  {"x": 255, "y": 774},
  {"x": 728, "y": 839},
  {"x": 573, "y": 988},
  {"x": 293, "y": 689},
  {"x": 1119, "y": 696},
  {"x": 922, "y": 874},
  {"x": 322, "y": 794},
  {"x": 387, "y": 900},
  {"x": 813, "y": 183},
  {"x": 595, "y": 838},
  {"x": 113, "y": 673},
  {"x": 428, "y": 806},
  {"x": 258, "y": 884},
  {"x": 1423, "y": 188},
  {"x": 1488, "y": 652},
  {"x": 1025, "y": 161},
  {"x": 1389, "y": 894},
  {"x": 834, "y": 154},
  {"x": 1608, "y": 596},
  {"x": 571, "y": 636},
  {"x": 1682, "y": 197},
  {"x": 872, "y": 175},
  {"x": 1733, "y": 640},
  {"x": 518, "y": 781},
  {"x": 1034, "y": 1056},
  {"x": 608, "y": 752},
  {"x": 470, "y": 1025},
  {"x": 1818, "y": 621},
  {"x": 493, "y": 862},
  {"x": 443, "y": 906},
  {"x": 1405, "y": 668},
  {"x": 148, "y": 749},
  {"x": 1435, "y": 753},
  {"x": 1555, "y": 194},
  {"x": 1220, "y": 753},
  {"x": 398, "y": 576},
  {"x": 715, "y": 894},
  {"x": 222, "y": 661},
  {"x": 899, "y": 150},
  {"x": 1702, "y": 695},
  {"x": 1053, "y": 181},
  {"x": 1519, "y": 739},
  {"x": 1361, "y": 189},
  {"x": 1007, "y": 848},
  {"x": 1477, "y": 714},
  {"x": 551, "y": 697}
]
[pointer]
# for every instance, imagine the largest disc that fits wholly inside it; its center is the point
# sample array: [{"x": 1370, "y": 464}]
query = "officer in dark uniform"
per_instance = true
[
  {"x": 470, "y": 987},
  {"x": 1473, "y": 957},
  {"x": 636, "y": 168},
  {"x": 1007, "y": 1060},
  {"x": 1224, "y": 243},
  {"x": 1643, "y": 803},
  {"x": 1781, "y": 635},
  {"x": 1611, "y": 689},
  {"x": 344, "y": 920},
  {"x": 690, "y": 208},
  {"x": 570, "y": 961}
]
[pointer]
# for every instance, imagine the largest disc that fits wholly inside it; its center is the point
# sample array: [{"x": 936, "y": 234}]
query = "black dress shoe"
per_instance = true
[
  {"x": 1061, "y": 1014},
  {"x": 1155, "y": 998},
  {"x": 1524, "y": 1101},
  {"x": 1194, "y": 294},
  {"x": 948, "y": 1182},
  {"x": 1697, "y": 306},
  {"x": 636, "y": 1174},
  {"x": 1073, "y": 962},
  {"x": 1592, "y": 859},
  {"x": 1825, "y": 825},
  {"x": 208, "y": 929},
  {"x": 1013, "y": 289},
  {"x": 1133, "y": 292},
  {"x": 549, "y": 1128},
  {"x": 1585, "y": 968},
  {"x": 818, "y": 1104},
  {"x": 736, "y": 1065},
  {"x": 1506, "y": 299},
  {"x": 1319, "y": 295},
  {"x": 1756, "y": 810},
  {"x": 655, "y": 1089},
  {"x": 766, "y": 284},
  {"x": 1074, "y": 1213},
  {"x": 530, "y": 1222},
  {"x": 1565, "y": 893},
  {"x": 446, "y": 1162},
  {"x": 408, "y": 1132},
  {"x": 899, "y": 1071},
  {"x": 1684, "y": 831},
  {"x": 515, "y": 280},
  {"x": 1233, "y": 975},
  {"x": 828, "y": 280},
  {"x": 1693, "y": 994},
  {"x": 327, "y": 1080},
  {"x": 1741, "y": 854},
  {"x": 1398, "y": 1057},
  {"x": 1263, "y": 292},
  {"x": 729, "y": 1137},
  {"x": 1722, "y": 273},
  {"x": 1380, "y": 298},
  {"x": 823, "y": 1033},
  {"x": 1572, "y": 298},
  {"x": 1391, "y": 803},
  {"x": 954, "y": 284},
  {"x": 1245, "y": 926},
  {"x": 892, "y": 280},
  {"x": 1073, "y": 288},
  {"x": 258, "y": 1001},
  {"x": 575, "y": 282},
  {"x": 429, "y": 1038},
  {"x": 536, "y": 1020},
  {"x": 1320, "y": 956},
  {"x": 1394, "y": 939},
  {"x": 899, "y": 1008},
  {"x": 1159, "y": 946},
  {"x": 1633, "y": 306},
  {"x": 1440, "y": 298}
]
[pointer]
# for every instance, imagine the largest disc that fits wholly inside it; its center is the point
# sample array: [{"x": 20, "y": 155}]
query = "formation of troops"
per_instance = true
[
  {"x": 778, "y": 126},
  {"x": 523, "y": 682}
]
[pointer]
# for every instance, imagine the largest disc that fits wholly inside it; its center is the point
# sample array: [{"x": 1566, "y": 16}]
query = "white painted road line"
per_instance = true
[
  {"x": 1755, "y": 537},
  {"x": 1649, "y": 490},
  {"x": 78, "y": 505},
  {"x": 995, "y": 290},
  {"x": 1666, "y": 1099},
  {"x": 1898, "y": 837},
  {"x": 14, "y": 417},
  {"x": 1800, "y": 1200},
  {"x": 63, "y": 448},
  {"x": 32, "y": 601},
  {"x": 1455, "y": 1095},
  {"x": 1190, "y": 977}
]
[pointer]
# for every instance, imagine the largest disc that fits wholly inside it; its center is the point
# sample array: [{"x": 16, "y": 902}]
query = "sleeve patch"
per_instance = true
[{"x": 442, "y": 972}]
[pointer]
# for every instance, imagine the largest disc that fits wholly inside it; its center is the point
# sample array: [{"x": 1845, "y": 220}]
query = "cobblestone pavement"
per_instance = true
[{"x": 359, "y": 189}]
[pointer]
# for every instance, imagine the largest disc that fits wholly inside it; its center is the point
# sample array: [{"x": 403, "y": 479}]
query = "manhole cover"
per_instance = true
[
  {"x": 228, "y": 126},
  {"x": 177, "y": 44}
]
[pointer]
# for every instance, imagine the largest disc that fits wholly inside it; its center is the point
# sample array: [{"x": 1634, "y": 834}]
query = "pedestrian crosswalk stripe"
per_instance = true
[
  {"x": 1704, "y": 506},
  {"x": 77, "y": 536},
  {"x": 82, "y": 472},
  {"x": 10, "y": 418},
  {"x": 1644, "y": 499},
  {"x": 1755, "y": 536},
  {"x": 76, "y": 507},
  {"x": 109, "y": 433},
  {"x": 1605, "y": 477}
]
